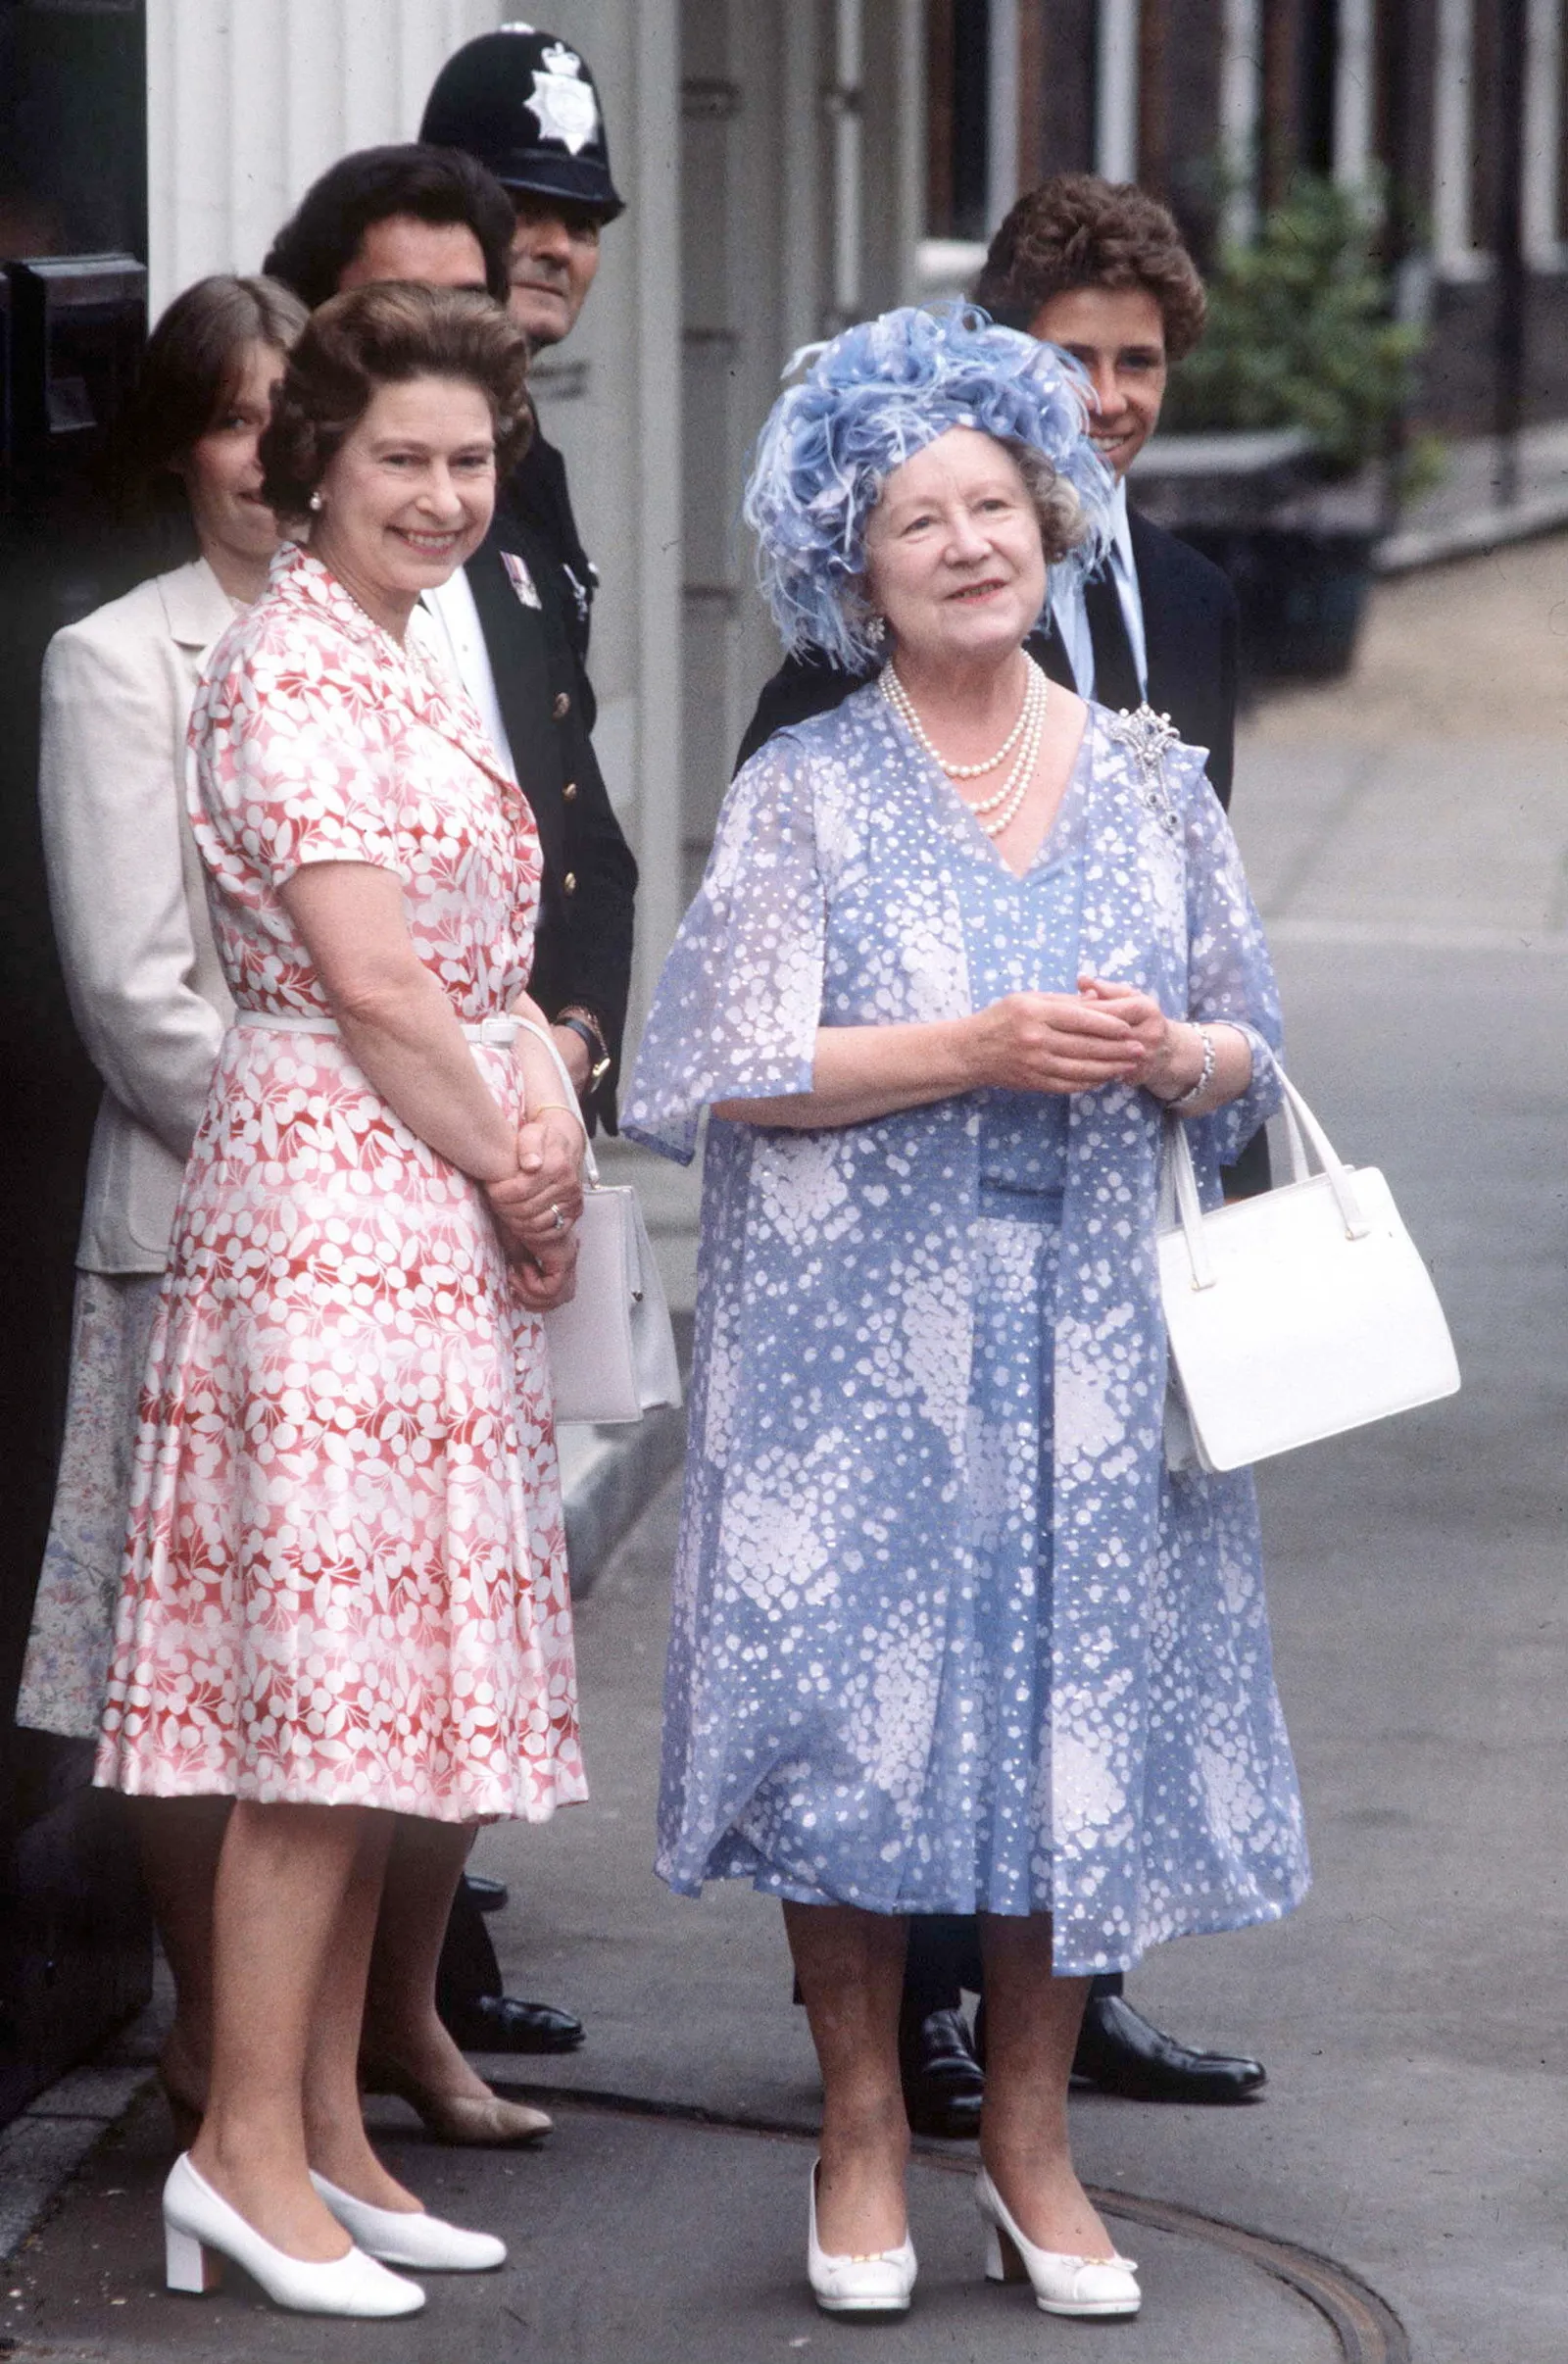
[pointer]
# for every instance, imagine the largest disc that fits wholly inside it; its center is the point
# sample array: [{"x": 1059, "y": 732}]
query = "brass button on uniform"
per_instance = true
[
  {"x": 563, "y": 706},
  {"x": 570, "y": 883},
  {"x": 569, "y": 794}
]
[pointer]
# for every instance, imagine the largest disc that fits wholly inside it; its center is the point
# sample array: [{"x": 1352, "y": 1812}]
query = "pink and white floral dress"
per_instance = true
[{"x": 345, "y": 1579}]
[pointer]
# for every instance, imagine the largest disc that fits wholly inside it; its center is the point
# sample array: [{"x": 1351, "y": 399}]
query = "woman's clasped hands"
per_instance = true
[
  {"x": 1105, "y": 1033},
  {"x": 535, "y": 1210}
]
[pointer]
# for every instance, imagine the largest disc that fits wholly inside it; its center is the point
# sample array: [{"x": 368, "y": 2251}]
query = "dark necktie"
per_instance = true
[{"x": 1116, "y": 681}]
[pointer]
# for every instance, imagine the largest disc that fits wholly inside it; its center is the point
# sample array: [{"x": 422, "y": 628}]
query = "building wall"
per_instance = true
[
  {"x": 1183, "y": 95},
  {"x": 771, "y": 154},
  {"x": 249, "y": 100}
]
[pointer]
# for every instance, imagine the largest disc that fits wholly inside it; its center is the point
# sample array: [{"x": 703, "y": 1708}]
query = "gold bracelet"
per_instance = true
[{"x": 545, "y": 1106}]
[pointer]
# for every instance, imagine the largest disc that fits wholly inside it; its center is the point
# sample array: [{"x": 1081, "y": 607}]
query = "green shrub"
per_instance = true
[{"x": 1298, "y": 333}]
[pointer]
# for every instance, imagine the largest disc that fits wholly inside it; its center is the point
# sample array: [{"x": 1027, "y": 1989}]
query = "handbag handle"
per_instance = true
[
  {"x": 1303, "y": 1127},
  {"x": 588, "y": 1162}
]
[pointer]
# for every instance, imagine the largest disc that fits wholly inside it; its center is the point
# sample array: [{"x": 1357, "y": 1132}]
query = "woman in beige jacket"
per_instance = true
[{"x": 148, "y": 997}]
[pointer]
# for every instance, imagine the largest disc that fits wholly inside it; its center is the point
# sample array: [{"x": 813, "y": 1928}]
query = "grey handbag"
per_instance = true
[{"x": 612, "y": 1349}]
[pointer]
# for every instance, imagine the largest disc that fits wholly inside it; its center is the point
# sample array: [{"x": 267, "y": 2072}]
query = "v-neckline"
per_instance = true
[{"x": 1052, "y": 826}]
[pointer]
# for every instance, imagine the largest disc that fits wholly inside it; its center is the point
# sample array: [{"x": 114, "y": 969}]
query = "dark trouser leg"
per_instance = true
[
  {"x": 468, "y": 1967},
  {"x": 944, "y": 1957},
  {"x": 941, "y": 2082}
]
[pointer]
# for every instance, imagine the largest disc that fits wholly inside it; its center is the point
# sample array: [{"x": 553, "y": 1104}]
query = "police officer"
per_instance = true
[{"x": 525, "y": 104}]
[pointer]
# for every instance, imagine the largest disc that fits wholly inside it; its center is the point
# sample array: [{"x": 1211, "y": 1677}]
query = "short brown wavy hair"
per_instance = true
[
  {"x": 1077, "y": 230},
  {"x": 384, "y": 335}
]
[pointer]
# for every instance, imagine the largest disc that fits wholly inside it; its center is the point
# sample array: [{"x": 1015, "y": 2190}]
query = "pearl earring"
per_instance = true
[{"x": 316, "y": 502}]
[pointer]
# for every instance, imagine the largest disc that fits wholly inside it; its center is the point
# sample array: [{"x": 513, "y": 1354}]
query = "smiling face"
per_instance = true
[
  {"x": 408, "y": 497},
  {"x": 1118, "y": 333},
  {"x": 554, "y": 254},
  {"x": 953, "y": 557},
  {"x": 222, "y": 478}
]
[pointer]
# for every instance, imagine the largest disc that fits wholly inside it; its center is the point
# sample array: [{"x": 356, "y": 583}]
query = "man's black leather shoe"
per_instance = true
[
  {"x": 499, "y": 2022},
  {"x": 489, "y": 1894},
  {"x": 944, "y": 2084},
  {"x": 1120, "y": 2053}
]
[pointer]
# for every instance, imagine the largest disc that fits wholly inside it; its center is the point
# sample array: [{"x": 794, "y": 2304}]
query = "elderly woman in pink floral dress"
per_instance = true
[{"x": 345, "y": 1595}]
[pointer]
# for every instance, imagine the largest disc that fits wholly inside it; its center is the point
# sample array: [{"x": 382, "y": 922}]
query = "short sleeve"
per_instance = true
[
  {"x": 1229, "y": 975},
  {"x": 292, "y": 764},
  {"x": 739, "y": 1002}
]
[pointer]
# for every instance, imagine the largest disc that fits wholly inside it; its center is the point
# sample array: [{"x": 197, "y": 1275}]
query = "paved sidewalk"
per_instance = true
[{"x": 1408, "y": 837}]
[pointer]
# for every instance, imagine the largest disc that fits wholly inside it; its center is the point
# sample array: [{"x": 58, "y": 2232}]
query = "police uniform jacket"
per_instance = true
[{"x": 583, "y": 943}]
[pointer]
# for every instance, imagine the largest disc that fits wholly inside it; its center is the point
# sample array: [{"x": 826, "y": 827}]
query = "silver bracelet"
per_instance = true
[{"x": 1205, "y": 1074}]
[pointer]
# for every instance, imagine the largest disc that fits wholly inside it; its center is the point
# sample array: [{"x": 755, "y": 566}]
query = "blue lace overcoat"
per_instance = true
[{"x": 876, "y": 1693}]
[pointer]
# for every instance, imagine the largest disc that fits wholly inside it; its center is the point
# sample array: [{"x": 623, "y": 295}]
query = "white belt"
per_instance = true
[{"x": 500, "y": 1032}]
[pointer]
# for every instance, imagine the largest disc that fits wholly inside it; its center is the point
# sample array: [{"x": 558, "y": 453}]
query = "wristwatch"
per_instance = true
[{"x": 586, "y": 1027}]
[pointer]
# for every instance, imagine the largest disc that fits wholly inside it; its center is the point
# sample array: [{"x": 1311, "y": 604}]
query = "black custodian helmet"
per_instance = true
[{"x": 527, "y": 107}]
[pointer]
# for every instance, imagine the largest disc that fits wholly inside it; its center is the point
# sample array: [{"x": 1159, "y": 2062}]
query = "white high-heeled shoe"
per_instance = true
[
  {"x": 402, "y": 2236},
  {"x": 201, "y": 2229},
  {"x": 1062, "y": 2285},
  {"x": 878, "y": 2284}
]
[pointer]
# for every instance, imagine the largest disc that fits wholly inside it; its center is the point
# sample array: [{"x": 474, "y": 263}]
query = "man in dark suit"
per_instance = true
[
  {"x": 512, "y": 630},
  {"x": 1101, "y": 270}
]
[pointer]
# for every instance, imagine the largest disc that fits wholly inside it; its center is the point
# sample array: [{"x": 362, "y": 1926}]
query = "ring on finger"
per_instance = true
[{"x": 559, "y": 1218}]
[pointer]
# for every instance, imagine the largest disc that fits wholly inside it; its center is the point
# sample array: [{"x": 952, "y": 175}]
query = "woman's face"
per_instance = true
[
  {"x": 953, "y": 558},
  {"x": 408, "y": 494},
  {"x": 222, "y": 476}
]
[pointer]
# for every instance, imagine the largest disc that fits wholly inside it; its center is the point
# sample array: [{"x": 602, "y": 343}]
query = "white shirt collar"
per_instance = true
[{"x": 1121, "y": 532}]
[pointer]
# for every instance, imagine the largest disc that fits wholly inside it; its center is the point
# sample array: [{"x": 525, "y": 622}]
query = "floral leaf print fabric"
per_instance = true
[
  {"x": 346, "y": 1578},
  {"x": 947, "y": 1634}
]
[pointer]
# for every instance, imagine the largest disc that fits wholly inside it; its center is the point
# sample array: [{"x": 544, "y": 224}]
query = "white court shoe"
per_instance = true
[
  {"x": 1062, "y": 2285},
  {"x": 879, "y": 2284},
  {"x": 201, "y": 2229},
  {"x": 404, "y": 2237}
]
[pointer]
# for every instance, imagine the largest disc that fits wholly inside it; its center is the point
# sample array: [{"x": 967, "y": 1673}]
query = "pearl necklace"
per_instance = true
[{"x": 996, "y": 813}]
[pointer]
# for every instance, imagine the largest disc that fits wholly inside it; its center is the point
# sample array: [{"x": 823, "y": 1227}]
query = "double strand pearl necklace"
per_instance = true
[{"x": 996, "y": 813}]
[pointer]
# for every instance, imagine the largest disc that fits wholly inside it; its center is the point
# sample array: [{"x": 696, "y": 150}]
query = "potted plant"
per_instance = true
[{"x": 1304, "y": 365}]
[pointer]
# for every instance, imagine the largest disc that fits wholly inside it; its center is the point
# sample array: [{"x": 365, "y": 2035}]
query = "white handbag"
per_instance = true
[
  {"x": 1294, "y": 1315},
  {"x": 611, "y": 1348}
]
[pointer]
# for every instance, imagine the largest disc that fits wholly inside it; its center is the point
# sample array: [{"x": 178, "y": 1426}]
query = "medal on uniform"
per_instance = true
[{"x": 521, "y": 579}]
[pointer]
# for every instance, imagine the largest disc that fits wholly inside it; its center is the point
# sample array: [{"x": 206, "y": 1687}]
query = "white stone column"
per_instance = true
[
  {"x": 1543, "y": 225},
  {"x": 1001, "y": 111},
  {"x": 1241, "y": 101},
  {"x": 1453, "y": 101},
  {"x": 1355, "y": 91},
  {"x": 1116, "y": 89},
  {"x": 249, "y": 100}
]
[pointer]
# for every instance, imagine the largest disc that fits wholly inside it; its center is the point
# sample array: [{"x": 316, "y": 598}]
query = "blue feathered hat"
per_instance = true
[{"x": 869, "y": 400}]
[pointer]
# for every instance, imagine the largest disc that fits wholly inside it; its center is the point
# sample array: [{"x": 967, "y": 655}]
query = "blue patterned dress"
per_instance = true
[{"x": 948, "y": 1635}]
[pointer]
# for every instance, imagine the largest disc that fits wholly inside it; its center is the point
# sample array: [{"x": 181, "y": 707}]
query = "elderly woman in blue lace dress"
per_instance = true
[{"x": 950, "y": 1636}]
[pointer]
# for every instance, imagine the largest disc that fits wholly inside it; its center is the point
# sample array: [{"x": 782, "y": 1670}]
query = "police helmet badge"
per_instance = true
[{"x": 562, "y": 102}]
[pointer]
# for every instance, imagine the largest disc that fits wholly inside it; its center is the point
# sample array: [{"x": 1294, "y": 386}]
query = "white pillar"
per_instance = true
[
  {"x": 1001, "y": 111},
  {"x": 848, "y": 61},
  {"x": 1543, "y": 129},
  {"x": 1354, "y": 89},
  {"x": 1116, "y": 89},
  {"x": 911, "y": 145},
  {"x": 1453, "y": 103},
  {"x": 1241, "y": 102},
  {"x": 249, "y": 100}
]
